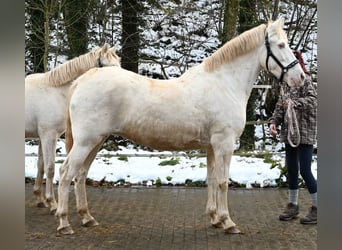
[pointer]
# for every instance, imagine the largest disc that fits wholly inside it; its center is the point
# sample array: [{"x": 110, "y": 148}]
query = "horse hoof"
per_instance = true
[
  {"x": 91, "y": 223},
  {"x": 53, "y": 211},
  {"x": 64, "y": 231},
  {"x": 217, "y": 224},
  {"x": 232, "y": 230},
  {"x": 41, "y": 205}
]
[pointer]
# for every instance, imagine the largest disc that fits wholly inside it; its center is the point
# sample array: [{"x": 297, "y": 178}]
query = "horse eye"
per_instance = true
[{"x": 281, "y": 45}]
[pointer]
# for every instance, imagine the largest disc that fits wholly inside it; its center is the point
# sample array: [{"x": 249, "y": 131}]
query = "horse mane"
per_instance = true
[
  {"x": 70, "y": 70},
  {"x": 239, "y": 45}
]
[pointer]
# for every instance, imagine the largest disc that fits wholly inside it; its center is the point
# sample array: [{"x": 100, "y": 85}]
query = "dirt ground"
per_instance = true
[{"x": 171, "y": 218}]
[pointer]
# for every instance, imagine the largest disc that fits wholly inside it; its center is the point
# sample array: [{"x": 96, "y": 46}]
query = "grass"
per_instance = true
[{"x": 171, "y": 162}]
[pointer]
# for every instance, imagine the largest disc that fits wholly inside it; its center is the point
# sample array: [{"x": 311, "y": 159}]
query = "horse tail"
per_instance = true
[{"x": 69, "y": 140}]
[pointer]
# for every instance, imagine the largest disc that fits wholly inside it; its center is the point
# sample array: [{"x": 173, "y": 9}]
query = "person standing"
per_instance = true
[{"x": 296, "y": 113}]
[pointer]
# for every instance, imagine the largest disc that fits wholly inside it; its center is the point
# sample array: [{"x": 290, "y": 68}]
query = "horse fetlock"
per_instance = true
[
  {"x": 39, "y": 194},
  {"x": 223, "y": 186},
  {"x": 216, "y": 223},
  {"x": 211, "y": 210},
  {"x": 50, "y": 199},
  {"x": 53, "y": 211},
  {"x": 63, "y": 216},
  {"x": 53, "y": 207},
  {"x": 42, "y": 204},
  {"x": 87, "y": 219},
  {"x": 37, "y": 191},
  {"x": 83, "y": 212},
  {"x": 223, "y": 217}
]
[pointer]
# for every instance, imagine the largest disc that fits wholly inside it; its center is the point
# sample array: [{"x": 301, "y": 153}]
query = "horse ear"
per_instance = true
[
  {"x": 112, "y": 49},
  {"x": 105, "y": 47},
  {"x": 280, "y": 22},
  {"x": 276, "y": 25}
]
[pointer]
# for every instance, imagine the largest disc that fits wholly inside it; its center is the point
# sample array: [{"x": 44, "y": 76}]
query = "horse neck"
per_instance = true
[
  {"x": 70, "y": 70},
  {"x": 240, "y": 74}
]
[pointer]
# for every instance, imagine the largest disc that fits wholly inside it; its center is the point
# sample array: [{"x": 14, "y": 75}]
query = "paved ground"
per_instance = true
[{"x": 171, "y": 218}]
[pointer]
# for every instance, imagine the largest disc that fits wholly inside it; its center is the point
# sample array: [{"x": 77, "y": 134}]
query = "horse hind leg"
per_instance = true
[
  {"x": 72, "y": 167},
  {"x": 38, "y": 184},
  {"x": 80, "y": 189},
  {"x": 65, "y": 175},
  {"x": 49, "y": 152}
]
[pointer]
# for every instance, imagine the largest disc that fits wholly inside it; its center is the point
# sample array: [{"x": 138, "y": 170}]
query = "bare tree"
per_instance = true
[{"x": 38, "y": 20}]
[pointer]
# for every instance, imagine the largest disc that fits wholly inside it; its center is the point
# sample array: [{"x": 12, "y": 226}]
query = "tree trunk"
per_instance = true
[
  {"x": 247, "y": 20},
  {"x": 130, "y": 35},
  {"x": 35, "y": 45},
  {"x": 231, "y": 11},
  {"x": 76, "y": 24}
]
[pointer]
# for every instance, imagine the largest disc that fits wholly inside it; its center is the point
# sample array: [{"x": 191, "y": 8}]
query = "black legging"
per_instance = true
[{"x": 300, "y": 158}]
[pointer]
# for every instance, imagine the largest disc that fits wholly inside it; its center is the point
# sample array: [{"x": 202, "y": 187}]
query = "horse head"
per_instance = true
[
  {"x": 107, "y": 56},
  {"x": 278, "y": 57}
]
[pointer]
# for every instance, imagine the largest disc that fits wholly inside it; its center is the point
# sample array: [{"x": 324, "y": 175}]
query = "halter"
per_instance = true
[{"x": 270, "y": 54}]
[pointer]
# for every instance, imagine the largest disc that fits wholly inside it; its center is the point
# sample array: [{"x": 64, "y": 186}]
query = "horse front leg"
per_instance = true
[
  {"x": 38, "y": 183},
  {"x": 223, "y": 154},
  {"x": 212, "y": 192}
]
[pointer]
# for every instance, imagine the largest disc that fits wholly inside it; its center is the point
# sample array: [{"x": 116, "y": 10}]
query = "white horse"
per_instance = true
[
  {"x": 203, "y": 108},
  {"x": 45, "y": 108}
]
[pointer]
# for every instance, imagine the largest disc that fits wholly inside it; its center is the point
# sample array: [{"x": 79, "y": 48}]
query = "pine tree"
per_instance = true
[
  {"x": 76, "y": 24},
  {"x": 130, "y": 34}
]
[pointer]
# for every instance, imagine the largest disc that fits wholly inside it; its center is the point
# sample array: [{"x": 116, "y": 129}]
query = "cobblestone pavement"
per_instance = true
[{"x": 171, "y": 218}]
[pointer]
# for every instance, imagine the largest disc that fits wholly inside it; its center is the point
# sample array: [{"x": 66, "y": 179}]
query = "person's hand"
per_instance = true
[{"x": 273, "y": 129}]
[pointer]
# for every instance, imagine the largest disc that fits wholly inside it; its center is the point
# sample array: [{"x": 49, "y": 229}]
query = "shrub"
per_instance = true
[
  {"x": 123, "y": 158},
  {"x": 158, "y": 182}
]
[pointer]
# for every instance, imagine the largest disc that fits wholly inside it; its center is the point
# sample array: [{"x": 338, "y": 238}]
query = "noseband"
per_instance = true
[{"x": 270, "y": 54}]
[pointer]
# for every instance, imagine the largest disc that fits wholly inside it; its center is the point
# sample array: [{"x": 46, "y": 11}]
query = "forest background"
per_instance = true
[{"x": 162, "y": 39}]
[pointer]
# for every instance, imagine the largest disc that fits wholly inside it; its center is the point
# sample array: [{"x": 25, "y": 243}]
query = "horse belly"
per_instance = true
[{"x": 165, "y": 137}]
